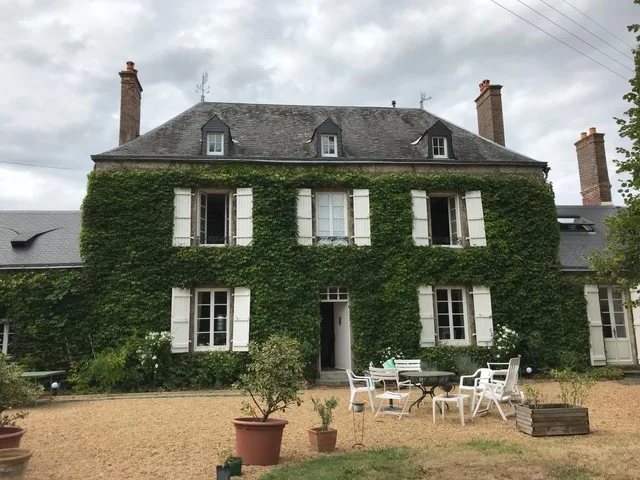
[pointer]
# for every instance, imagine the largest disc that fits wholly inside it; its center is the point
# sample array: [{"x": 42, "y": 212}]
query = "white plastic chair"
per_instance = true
[
  {"x": 479, "y": 379},
  {"x": 368, "y": 388},
  {"x": 498, "y": 391}
]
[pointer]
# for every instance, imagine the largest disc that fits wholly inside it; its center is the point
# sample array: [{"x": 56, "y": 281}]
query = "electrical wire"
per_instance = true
[
  {"x": 574, "y": 35},
  {"x": 587, "y": 30},
  {"x": 43, "y": 166},
  {"x": 603, "y": 28},
  {"x": 561, "y": 41}
]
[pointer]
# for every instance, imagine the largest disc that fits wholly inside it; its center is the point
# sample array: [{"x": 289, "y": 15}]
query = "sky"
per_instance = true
[{"x": 61, "y": 90}]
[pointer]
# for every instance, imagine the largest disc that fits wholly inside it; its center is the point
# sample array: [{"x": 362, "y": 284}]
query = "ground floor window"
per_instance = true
[
  {"x": 451, "y": 314},
  {"x": 334, "y": 294},
  {"x": 612, "y": 313},
  {"x": 212, "y": 319},
  {"x": 4, "y": 336}
]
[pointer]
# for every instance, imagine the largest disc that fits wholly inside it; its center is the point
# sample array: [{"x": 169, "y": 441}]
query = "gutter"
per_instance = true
[
  {"x": 41, "y": 266},
  {"x": 313, "y": 161}
]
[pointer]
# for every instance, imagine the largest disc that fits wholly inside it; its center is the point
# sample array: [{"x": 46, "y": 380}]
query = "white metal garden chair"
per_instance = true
[
  {"x": 498, "y": 391},
  {"x": 408, "y": 366},
  {"x": 480, "y": 378},
  {"x": 367, "y": 388},
  {"x": 390, "y": 375}
]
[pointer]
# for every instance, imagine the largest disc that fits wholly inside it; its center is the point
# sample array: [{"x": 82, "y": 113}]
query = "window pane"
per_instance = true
[
  {"x": 619, "y": 317},
  {"x": 443, "y": 320},
  {"x": 621, "y": 331},
  {"x": 458, "y": 333},
  {"x": 617, "y": 304},
  {"x": 203, "y": 340},
  {"x": 204, "y": 311},
  {"x": 604, "y": 305},
  {"x": 443, "y": 307},
  {"x": 204, "y": 325},
  {"x": 204, "y": 297},
  {"x": 602, "y": 293},
  {"x": 456, "y": 294},
  {"x": 444, "y": 334},
  {"x": 441, "y": 294},
  {"x": 220, "y": 298},
  {"x": 220, "y": 311},
  {"x": 220, "y": 324},
  {"x": 323, "y": 199},
  {"x": 458, "y": 320},
  {"x": 457, "y": 307},
  {"x": 219, "y": 339},
  {"x": 606, "y": 331},
  {"x": 606, "y": 320}
]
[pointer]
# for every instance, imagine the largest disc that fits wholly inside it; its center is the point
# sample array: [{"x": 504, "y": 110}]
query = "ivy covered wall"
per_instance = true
[{"x": 131, "y": 265}]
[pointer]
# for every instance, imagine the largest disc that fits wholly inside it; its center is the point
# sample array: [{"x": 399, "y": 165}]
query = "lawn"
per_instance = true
[{"x": 178, "y": 437}]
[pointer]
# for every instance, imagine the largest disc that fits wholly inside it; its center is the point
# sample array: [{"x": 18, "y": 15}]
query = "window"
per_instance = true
[
  {"x": 215, "y": 144},
  {"x": 439, "y": 145},
  {"x": 612, "y": 312},
  {"x": 214, "y": 216},
  {"x": 334, "y": 294},
  {"x": 445, "y": 220},
  {"x": 212, "y": 319},
  {"x": 450, "y": 315},
  {"x": 329, "y": 145},
  {"x": 4, "y": 336},
  {"x": 575, "y": 224},
  {"x": 331, "y": 218}
]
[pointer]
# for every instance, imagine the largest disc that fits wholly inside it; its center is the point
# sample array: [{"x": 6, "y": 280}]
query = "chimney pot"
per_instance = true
[
  {"x": 592, "y": 130},
  {"x": 130, "y": 98},
  {"x": 583, "y": 135},
  {"x": 489, "y": 108}
]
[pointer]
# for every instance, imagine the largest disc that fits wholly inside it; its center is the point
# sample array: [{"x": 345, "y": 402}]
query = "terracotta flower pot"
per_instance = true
[
  {"x": 323, "y": 441},
  {"x": 258, "y": 443},
  {"x": 10, "y": 437},
  {"x": 14, "y": 463}
]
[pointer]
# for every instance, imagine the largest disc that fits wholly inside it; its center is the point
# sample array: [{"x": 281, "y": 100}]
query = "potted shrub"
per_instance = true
[
  {"x": 273, "y": 380},
  {"x": 568, "y": 417},
  {"x": 229, "y": 466},
  {"x": 323, "y": 438},
  {"x": 15, "y": 392}
]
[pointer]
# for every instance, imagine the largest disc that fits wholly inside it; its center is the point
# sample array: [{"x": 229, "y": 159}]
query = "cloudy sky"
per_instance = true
[{"x": 60, "y": 58}]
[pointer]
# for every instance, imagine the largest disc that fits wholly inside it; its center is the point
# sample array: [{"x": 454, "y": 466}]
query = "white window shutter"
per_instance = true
[
  {"x": 241, "y": 313},
  {"x": 420, "y": 217},
  {"x": 483, "y": 315},
  {"x": 305, "y": 217},
  {"x": 427, "y": 318},
  {"x": 475, "y": 219},
  {"x": 180, "y": 308},
  {"x": 244, "y": 216},
  {"x": 635, "y": 312},
  {"x": 596, "y": 339},
  {"x": 361, "y": 220},
  {"x": 182, "y": 217}
]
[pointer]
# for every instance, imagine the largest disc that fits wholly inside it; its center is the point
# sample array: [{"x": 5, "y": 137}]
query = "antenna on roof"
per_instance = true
[
  {"x": 423, "y": 97},
  {"x": 393, "y": 103},
  {"x": 203, "y": 88}
]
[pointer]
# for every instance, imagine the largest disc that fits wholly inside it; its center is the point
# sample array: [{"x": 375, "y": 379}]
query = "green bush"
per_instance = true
[
  {"x": 104, "y": 373},
  {"x": 607, "y": 372},
  {"x": 452, "y": 359},
  {"x": 207, "y": 369},
  {"x": 15, "y": 391}
]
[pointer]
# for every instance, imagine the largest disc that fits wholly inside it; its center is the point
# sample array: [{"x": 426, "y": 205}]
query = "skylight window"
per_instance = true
[{"x": 575, "y": 224}]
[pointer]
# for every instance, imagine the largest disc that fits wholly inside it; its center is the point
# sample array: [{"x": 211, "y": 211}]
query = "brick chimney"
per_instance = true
[
  {"x": 592, "y": 165},
  {"x": 489, "y": 108},
  {"x": 130, "y": 96}
]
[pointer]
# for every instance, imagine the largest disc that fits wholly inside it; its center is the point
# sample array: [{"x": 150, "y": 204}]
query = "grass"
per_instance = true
[
  {"x": 494, "y": 446},
  {"x": 396, "y": 463},
  {"x": 569, "y": 472}
]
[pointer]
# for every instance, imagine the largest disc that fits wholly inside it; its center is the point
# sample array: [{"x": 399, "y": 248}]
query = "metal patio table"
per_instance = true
[{"x": 427, "y": 381}]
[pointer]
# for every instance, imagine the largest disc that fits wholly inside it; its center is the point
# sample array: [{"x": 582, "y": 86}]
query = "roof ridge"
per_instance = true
[{"x": 306, "y": 105}]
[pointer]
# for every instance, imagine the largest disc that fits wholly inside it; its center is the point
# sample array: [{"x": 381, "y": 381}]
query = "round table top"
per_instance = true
[{"x": 426, "y": 373}]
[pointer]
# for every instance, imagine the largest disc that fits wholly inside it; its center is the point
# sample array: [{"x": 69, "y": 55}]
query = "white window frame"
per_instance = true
[
  {"x": 325, "y": 141},
  {"x": 4, "y": 325},
  {"x": 334, "y": 294},
  {"x": 439, "y": 146},
  {"x": 211, "y": 347},
  {"x": 228, "y": 217},
  {"x": 317, "y": 195},
  {"x": 612, "y": 313},
  {"x": 465, "y": 316},
  {"x": 458, "y": 223},
  {"x": 215, "y": 136}
]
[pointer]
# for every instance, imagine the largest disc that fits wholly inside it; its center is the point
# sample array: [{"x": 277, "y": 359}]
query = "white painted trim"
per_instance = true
[
  {"x": 330, "y": 194},
  {"x": 596, "y": 339},
  {"x": 335, "y": 145},
  {"x": 5, "y": 335},
  {"x": 180, "y": 316},
  {"x": 635, "y": 315},
  {"x": 420, "y": 208},
  {"x": 211, "y": 347},
  {"x": 446, "y": 147},
  {"x": 427, "y": 316},
  {"x": 209, "y": 135},
  {"x": 465, "y": 315},
  {"x": 483, "y": 315}
]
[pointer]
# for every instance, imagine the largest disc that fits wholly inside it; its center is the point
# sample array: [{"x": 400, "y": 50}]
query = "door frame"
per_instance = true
[
  {"x": 338, "y": 296},
  {"x": 613, "y": 340}
]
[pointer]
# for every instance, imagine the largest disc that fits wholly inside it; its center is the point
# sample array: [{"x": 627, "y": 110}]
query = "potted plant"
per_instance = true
[
  {"x": 230, "y": 466},
  {"x": 323, "y": 438},
  {"x": 14, "y": 463},
  {"x": 15, "y": 392},
  {"x": 273, "y": 380},
  {"x": 568, "y": 417}
]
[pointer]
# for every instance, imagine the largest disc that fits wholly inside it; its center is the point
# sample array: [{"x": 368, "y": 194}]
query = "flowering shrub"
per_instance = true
[
  {"x": 153, "y": 354},
  {"x": 389, "y": 353},
  {"x": 15, "y": 391},
  {"x": 505, "y": 343}
]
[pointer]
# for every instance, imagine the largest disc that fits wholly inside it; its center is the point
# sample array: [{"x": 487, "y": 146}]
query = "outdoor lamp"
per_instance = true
[
  {"x": 529, "y": 370},
  {"x": 54, "y": 388}
]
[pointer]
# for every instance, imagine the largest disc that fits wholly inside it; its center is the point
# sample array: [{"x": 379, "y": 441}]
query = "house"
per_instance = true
[
  {"x": 36, "y": 242},
  {"x": 614, "y": 329},
  {"x": 353, "y": 229}
]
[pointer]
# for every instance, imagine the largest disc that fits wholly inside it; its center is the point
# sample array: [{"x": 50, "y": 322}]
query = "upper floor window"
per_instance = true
[
  {"x": 214, "y": 219},
  {"x": 329, "y": 145},
  {"x": 212, "y": 319},
  {"x": 575, "y": 224},
  {"x": 215, "y": 143},
  {"x": 439, "y": 145},
  {"x": 445, "y": 220},
  {"x": 331, "y": 218}
]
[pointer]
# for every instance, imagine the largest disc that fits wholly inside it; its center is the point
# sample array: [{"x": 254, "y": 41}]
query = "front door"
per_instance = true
[
  {"x": 335, "y": 329},
  {"x": 342, "y": 330},
  {"x": 615, "y": 326},
  {"x": 327, "y": 336}
]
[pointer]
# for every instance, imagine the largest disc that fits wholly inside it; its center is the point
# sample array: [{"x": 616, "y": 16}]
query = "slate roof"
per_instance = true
[
  {"x": 39, "y": 239},
  {"x": 283, "y": 132},
  {"x": 574, "y": 246}
]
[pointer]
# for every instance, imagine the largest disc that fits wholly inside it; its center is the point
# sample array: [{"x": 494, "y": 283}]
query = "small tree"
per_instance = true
[
  {"x": 274, "y": 377},
  {"x": 15, "y": 391},
  {"x": 325, "y": 410}
]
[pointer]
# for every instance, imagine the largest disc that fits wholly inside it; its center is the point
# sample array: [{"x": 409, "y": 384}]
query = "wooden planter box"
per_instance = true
[{"x": 552, "y": 419}]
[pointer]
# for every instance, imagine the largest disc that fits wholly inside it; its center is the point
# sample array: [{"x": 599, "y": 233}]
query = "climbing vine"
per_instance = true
[{"x": 131, "y": 265}]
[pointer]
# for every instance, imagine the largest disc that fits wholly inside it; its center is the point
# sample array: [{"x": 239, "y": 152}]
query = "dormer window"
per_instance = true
[
  {"x": 439, "y": 146},
  {"x": 329, "y": 144},
  {"x": 215, "y": 143}
]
